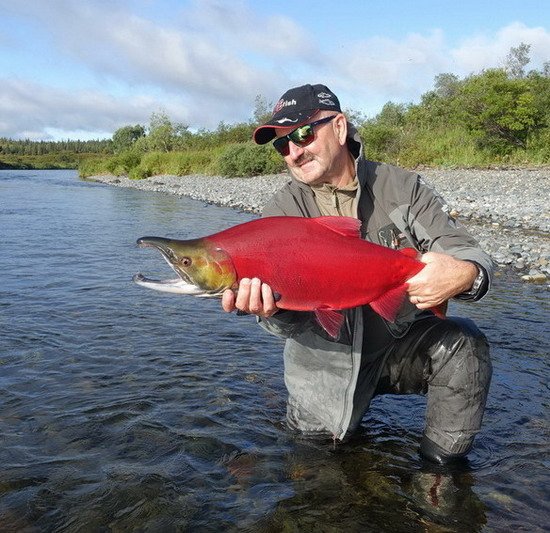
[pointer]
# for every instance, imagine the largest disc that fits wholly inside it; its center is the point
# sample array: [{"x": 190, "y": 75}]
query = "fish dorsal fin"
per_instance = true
[
  {"x": 330, "y": 320},
  {"x": 388, "y": 305},
  {"x": 410, "y": 252},
  {"x": 347, "y": 226}
]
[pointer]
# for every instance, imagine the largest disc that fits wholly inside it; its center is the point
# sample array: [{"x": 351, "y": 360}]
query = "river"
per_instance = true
[{"x": 123, "y": 409}]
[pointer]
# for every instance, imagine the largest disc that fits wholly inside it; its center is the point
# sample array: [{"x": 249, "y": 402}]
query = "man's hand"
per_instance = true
[
  {"x": 442, "y": 278},
  {"x": 253, "y": 297}
]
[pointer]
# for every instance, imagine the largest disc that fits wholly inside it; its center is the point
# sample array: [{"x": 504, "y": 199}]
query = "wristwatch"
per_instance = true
[{"x": 476, "y": 285}]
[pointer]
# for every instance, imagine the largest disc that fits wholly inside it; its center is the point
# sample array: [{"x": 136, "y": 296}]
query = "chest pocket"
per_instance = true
[{"x": 391, "y": 237}]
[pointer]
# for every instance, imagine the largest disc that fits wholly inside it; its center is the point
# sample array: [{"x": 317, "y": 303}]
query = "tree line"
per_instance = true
[
  {"x": 50, "y": 154},
  {"x": 28, "y": 147},
  {"x": 499, "y": 116}
]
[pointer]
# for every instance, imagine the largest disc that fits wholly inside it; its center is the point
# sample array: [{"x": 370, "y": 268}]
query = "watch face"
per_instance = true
[{"x": 478, "y": 281}]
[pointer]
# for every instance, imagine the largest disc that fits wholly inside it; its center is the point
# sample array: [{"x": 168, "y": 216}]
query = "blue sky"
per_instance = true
[{"x": 82, "y": 69}]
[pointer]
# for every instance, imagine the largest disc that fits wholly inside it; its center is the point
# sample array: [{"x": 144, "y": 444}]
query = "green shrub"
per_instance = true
[
  {"x": 248, "y": 159},
  {"x": 380, "y": 140},
  {"x": 499, "y": 110},
  {"x": 149, "y": 164},
  {"x": 189, "y": 162},
  {"x": 139, "y": 173},
  {"x": 91, "y": 167},
  {"x": 122, "y": 163},
  {"x": 538, "y": 148},
  {"x": 449, "y": 147}
]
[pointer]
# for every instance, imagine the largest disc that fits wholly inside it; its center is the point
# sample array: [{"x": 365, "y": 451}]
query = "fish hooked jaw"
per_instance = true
[
  {"x": 174, "y": 253},
  {"x": 174, "y": 286}
]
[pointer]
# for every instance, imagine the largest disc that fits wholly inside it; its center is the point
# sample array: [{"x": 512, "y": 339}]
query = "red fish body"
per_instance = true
[{"x": 315, "y": 264}]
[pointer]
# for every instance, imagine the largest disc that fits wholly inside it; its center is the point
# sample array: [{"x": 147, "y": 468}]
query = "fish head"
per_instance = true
[{"x": 202, "y": 268}]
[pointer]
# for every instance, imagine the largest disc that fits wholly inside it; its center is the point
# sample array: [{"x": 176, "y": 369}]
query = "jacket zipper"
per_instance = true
[{"x": 335, "y": 202}]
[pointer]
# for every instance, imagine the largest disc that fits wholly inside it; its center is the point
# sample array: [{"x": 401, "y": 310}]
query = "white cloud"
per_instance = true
[
  {"x": 377, "y": 70},
  {"x": 127, "y": 47},
  {"x": 35, "y": 111},
  {"x": 206, "y": 62},
  {"x": 395, "y": 68},
  {"x": 487, "y": 51},
  {"x": 241, "y": 29},
  {"x": 193, "y": 66}
]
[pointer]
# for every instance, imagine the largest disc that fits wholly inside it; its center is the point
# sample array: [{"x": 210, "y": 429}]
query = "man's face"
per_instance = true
[{"x": 317, "y": 162}]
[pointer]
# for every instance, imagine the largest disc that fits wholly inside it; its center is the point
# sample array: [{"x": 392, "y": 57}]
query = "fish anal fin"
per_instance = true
[
  {"x": 410, "y": 252},
  {"x": 347, "y": 226},
  {"x": 330, "y": 320},
  {"x": 388, "y": 305},
  {"x": 440, "y": 311}
]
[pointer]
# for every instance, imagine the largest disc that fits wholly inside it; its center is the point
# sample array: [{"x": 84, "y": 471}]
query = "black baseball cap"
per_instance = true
[{"x": 296, "y": 107}]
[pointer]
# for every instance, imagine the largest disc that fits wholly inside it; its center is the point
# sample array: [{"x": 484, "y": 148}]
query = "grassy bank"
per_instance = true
[
  {"x": 234, "y": 159},
  {"x": 453, "y": 147},
  {"x": 407, "y": 147},
  {"x": 47, "y": 161}
]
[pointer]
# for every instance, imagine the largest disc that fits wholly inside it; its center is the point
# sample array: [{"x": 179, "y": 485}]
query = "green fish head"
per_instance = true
[{"x": 203, "y": 270}]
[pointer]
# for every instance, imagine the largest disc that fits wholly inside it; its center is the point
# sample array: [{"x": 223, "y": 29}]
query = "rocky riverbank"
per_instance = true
[{"x": 506, "y": 210}]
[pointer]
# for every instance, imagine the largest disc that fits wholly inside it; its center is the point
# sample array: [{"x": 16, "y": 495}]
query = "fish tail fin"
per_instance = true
[
  {"x": 330, "y": 320},
  {"x": 388, "y": 305}
]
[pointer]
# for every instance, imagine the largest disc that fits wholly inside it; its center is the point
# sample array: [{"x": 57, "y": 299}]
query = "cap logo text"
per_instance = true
[{"x": 283, "y": 103}]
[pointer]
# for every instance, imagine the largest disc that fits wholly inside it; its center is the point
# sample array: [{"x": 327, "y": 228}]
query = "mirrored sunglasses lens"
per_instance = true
[
  {"x": 302, "y": 136},
  {"x": 281, "y": 145}
]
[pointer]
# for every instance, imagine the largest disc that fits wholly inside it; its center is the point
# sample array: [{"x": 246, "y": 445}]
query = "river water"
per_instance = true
[{"x": 123, "y": 409}]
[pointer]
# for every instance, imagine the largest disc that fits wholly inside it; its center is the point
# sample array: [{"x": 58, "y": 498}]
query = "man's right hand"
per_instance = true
[{"x": 253, "y": 297}]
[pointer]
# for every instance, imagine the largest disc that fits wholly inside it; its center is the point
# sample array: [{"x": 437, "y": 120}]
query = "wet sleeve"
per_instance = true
[{"x": 288, "y": 324}]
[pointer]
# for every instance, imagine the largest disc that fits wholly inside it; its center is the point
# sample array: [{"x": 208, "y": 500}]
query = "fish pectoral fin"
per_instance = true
[
  {"x": 330, "y": 320},
  {"x": 388, "y": 305},
  {"x": 346, "y": 226}
]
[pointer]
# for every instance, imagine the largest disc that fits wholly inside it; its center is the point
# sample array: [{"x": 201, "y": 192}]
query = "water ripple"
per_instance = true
[{"x": 124, "y": 409}]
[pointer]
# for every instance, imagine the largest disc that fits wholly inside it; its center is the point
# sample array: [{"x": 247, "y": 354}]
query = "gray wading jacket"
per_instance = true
[{"x": 398, "y": 210}]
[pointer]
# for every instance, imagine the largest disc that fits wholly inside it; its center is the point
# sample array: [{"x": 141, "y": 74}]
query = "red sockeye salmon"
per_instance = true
[{"x": 314, "y": 264}]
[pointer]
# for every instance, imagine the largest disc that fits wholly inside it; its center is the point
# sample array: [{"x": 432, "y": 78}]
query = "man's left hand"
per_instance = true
[{"x": 442, "y": 278}]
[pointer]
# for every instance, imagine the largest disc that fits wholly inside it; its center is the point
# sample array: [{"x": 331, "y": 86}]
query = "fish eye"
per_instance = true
[{"x": 186, "y": 261}]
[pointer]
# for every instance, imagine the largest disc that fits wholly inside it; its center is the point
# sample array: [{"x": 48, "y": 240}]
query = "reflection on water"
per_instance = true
[{"x": 126, "y": 409}]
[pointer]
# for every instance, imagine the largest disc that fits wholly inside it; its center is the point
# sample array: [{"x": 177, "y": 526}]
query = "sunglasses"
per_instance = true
[{"x": 301, "y": 136}]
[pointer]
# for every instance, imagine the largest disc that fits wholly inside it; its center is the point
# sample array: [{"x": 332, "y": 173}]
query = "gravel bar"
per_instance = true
[{"x": 506, "y": 210}]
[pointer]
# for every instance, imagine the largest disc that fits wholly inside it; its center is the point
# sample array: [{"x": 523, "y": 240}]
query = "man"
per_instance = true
[{"x": 331, "y": 382}]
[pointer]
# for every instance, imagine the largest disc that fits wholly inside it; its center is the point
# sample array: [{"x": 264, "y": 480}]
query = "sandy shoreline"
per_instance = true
[{"x": 506, "y": 210}]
